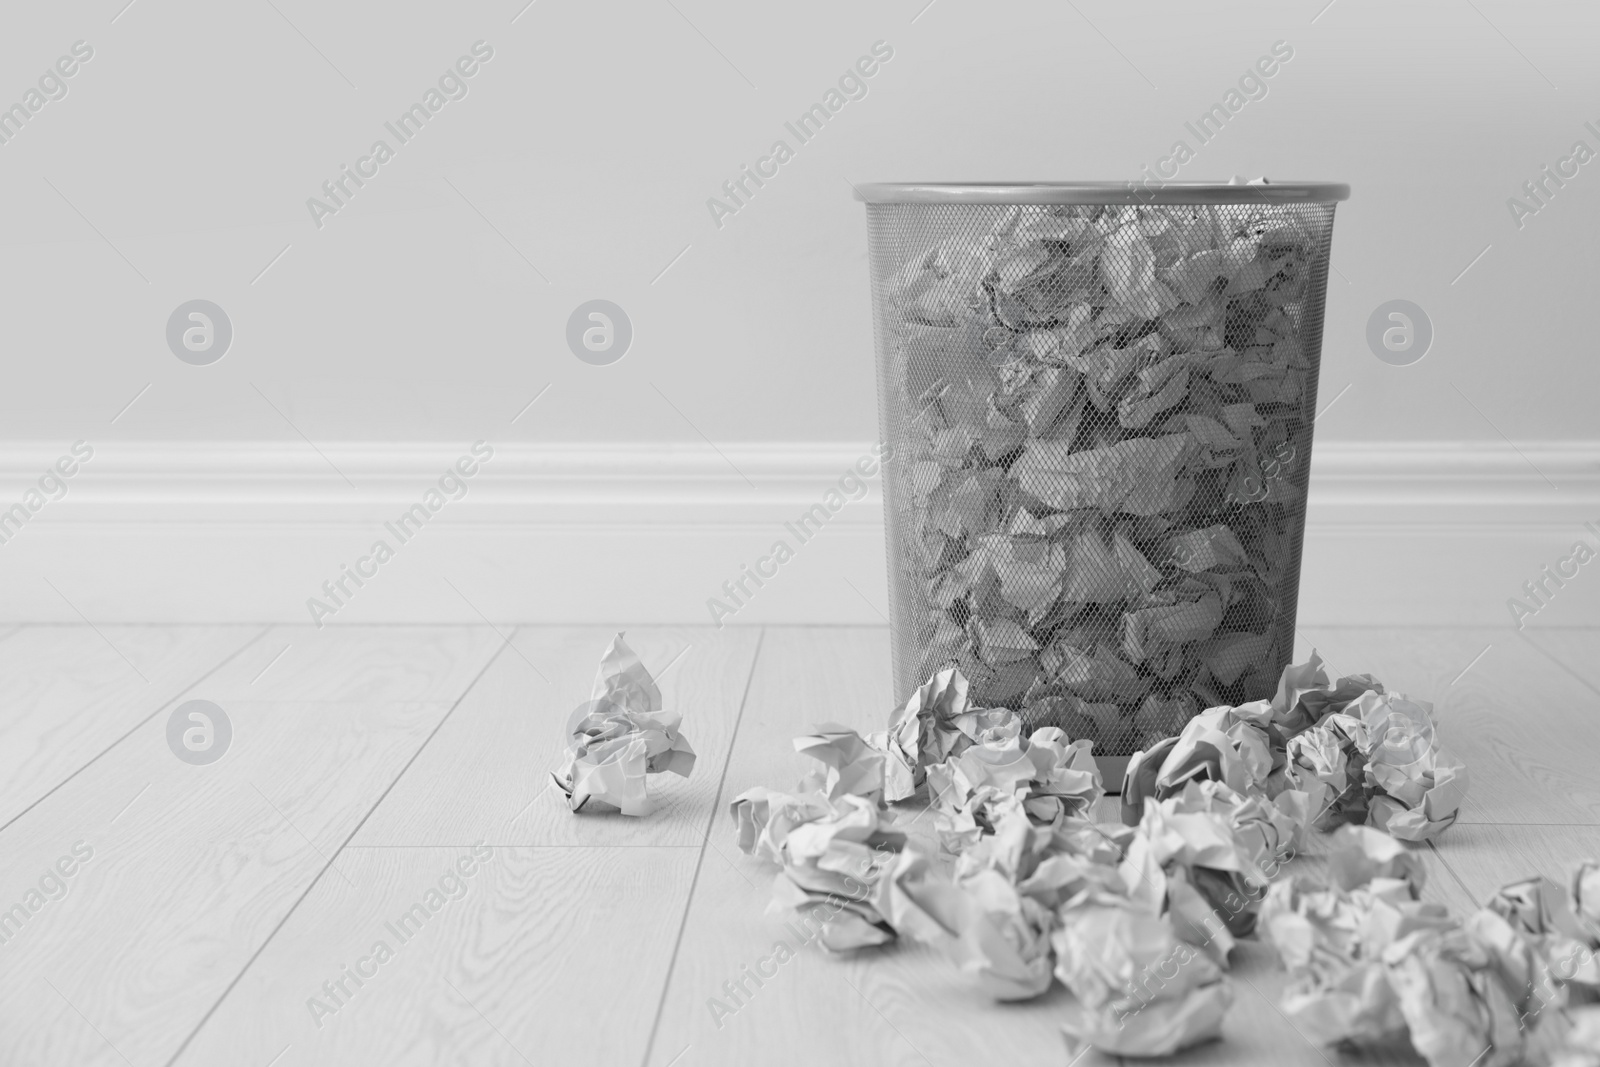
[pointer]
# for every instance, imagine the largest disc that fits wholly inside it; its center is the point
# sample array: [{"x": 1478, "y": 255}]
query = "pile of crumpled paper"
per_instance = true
[
  {"x": 1370, "y": 963},
  {"x": 1137, "y": 919},
  {"x": 1021, "y": 887},
  {"x": 1357, "y": 752}
]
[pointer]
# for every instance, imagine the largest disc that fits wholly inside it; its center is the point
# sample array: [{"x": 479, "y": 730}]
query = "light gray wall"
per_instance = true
[{"x": 594, "y": 137}]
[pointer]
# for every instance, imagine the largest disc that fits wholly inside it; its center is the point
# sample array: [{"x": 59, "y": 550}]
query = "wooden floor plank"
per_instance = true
[
  {"x": 560, "y": 937},
  {"x": 195, "y": 866},
  {"x": 72, "y": 691},
  {"x": 1486, "y": 857},
  {"x": 363, "y": 664},
  {"x": 488, "y": 773},
  {"x": 544, "y": 956},
  {"x": 560, "y": 947},
  {"x": 1576, "y": 651}
]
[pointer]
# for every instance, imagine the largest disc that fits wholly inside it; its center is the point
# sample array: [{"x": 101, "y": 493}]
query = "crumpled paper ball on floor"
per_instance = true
[
  {"x": 618, "y": 737},
  {"x": 1141, "y": 991}
]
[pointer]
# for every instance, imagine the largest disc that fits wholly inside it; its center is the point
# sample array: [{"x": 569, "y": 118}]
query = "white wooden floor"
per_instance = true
[{"x": 366, "y": 762}]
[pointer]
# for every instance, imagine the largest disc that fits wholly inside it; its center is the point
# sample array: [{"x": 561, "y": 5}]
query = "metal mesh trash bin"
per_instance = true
[{"x": 1098, "y": 401}]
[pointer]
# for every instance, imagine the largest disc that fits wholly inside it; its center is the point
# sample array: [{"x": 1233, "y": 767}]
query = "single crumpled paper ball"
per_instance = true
[
  {"x": 1365, "y": 754},
  {"x": 762, "y": 818},
  {"x": 1305, "y": 697},
  {"x": 1330, "y": 939},
  {"x": 1335, "y": 993},
  {"x": 1213, "y": 852},
  {"x": 1328, "y": 763},
  {"x": 853, "y": 766},
  {"x": 1458, "y": 1010},
  {"x": 1545, "y": 945},
  {"x": 994, "y": 913},
  {"x": 618, "y": 737},
  {"x": 1378, "y": 761},
  {"x": 996, "y": 757},
  {"x": 1419, "y": 801},
  {"x": 1051, "y": 777},
  {"x": 1051, "y": 864},
  {"x": 997, "y": 936},
  {"x": 1414, "y": 787},
  {"x": 1066, "y": 781},
  {"x": 1141, "y": 991},
  {"x": 1359, "y": 854},
  {"x": 1542, "y": 911},
  {"x": 922, "y": 732},
  {"x": 1188, "y": 862},
  {"x": 1519, "y": 966},
  {"x": 1222, "y": 744},
  {"x": 830, "y": 867},
  {"x": 1273, "y": 831},
  {"x": 986, "y": 807}
]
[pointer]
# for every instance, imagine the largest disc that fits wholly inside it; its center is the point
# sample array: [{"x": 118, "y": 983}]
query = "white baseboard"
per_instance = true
[{"x": 1398, "y": 532}]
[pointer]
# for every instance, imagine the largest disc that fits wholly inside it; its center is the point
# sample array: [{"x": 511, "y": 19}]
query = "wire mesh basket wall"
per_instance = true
[{"x": 1098, "y": 410}]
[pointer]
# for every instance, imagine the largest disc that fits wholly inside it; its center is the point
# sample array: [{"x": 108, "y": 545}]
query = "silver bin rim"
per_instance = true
[{"x": 1102, "y": 192}]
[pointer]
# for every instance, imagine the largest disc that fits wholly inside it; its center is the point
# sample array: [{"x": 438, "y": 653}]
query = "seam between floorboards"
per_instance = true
[
  {"x": 312, "y": 884},
  {"x": 1547, "y": 654},
  {"x": 1434, "y": 848},
  {"x": 716, "y": 802},
  {"x": 179, "y": 695}
]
